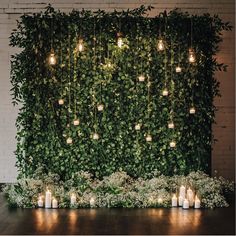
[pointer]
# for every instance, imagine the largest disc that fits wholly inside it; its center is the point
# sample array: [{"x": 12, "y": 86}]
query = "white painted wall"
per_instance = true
[{"x": 10, "y": 10}]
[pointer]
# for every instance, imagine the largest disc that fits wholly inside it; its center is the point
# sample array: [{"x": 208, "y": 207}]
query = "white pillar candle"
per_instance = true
[
  {"x": 92, "y": 202},
  {"x": 197, "y": 203},
  {"x": 174, "y": 201},
  {"x": 190, "y": 197},
  {"x": 185, "y": 204},
  {"x": 181, "y": 200},
  {"x": 48, "y": 199},
  {"x": 72, "y": 199},
  {"x": 182, "y": 191},
  {"x": 54, "y": 203},
  {"x": 40, "y": 201}
]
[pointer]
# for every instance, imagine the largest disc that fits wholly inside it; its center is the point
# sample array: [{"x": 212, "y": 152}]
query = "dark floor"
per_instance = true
[{"x": 116, "y": 221}]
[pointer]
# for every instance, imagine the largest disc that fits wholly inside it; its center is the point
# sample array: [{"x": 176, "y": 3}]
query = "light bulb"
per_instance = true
[
  {"x": 60, "y": 101},
  {"x": 141, "y": 78},
  {"x": 76, "y": 122},
  {"x": 172, "y": 144},
  {"x": 109, "y": 65},
  {"x": 165, "y": 92},
  {"x": 159, "y": 200},
  {"x": 192, "y": 110},
  {"x": 52, "y": 59},
  {"x": 191, "y": 56},
  {"x": 160, "y": 45},
  {"x": 171, "y": 125},
  {"x": 178, "y": 69},
  {"x": 80, "y": 46},
  {"x": 149, "y": 138},
  {"x": 119, "y": 42},
  {"x": 69, "y": 140},
  {"x": 95, "y": 136},
  {"x": 100, "y": 107},
  {"x": 137, "y": 127}
]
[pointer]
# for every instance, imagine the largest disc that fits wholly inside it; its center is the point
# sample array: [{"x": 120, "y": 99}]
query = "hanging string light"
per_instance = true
[
  {"x": 171, "y": 123},
  {"x": 100, "y": 106},
  {"x": 191, "y": 55},
  {"x": 95, "y": 135},
  {"x": 52, "y": 58},
  {"x": 148, "y": 136},
  {"x": 160, "y": 41},
  {"x": 80, "y": 41},
  {"x": 192, "y": 110},
  {"x": 165, "y": 90},
  {"x": 178, "y": 69},
  {"x": 76, "y": 120},
  {"x": 120, "y": 36},
  {"x": 61, "y": 100},
  {"x": 137, "y": 126}
]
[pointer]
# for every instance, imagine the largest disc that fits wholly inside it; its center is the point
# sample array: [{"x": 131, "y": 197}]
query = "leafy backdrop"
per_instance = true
[{"x": 84, "y": 80}]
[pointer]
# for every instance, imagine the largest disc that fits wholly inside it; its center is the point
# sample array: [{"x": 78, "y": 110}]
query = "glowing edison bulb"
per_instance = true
[
  {"x": 159, "y": 200},
  {"x": 192, "y": 110},
  {"x": 52, "y": 59},
  {"x": 61, "y": 101},
  {"x": 80, "y": 46},
  {"x": 178, "y": 69},
  {"x": 160, "y": 45},
  {"x": 141, "y": 78},
  {"x": 191, "y": 56},
  {"x": 76, "y": 122},
  {"x": 100, "y": 107},
  {"x": 95, "y": 136},
  {"x": 171, "y": 125},
  {"x": 172, "y": 144},
  {"x": 69, "y": 140},
  {"x": 119, "y": 42},
  {"x": 137, "y": 126},
  {"x": 149, "y": 138},
  {"x": 165, "y": 92}
]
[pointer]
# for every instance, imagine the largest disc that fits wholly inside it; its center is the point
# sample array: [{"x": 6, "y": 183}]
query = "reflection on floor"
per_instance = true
[{"x": 116, "y": 221}]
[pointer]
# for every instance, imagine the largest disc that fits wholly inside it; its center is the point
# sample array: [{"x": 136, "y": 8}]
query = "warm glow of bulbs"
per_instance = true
[
  {"x": 76, "y": 122},
  {"x": 119, "y": 42},
  {"x": 191, "y": 56},
  {"x": 149, "y": 138},
  {"x": 100, "y": 107},
  {"x": 60, "y": 101},
  {"x": 171, "y": 125},
  {"x": 137, "y": 127},
  {"x": 69, "y": 140},
  {"x": 95, "y": 136},
  {"x": 80, "y": 46},
  {"x": 172, "y": 144},
  {"x": 192, "y": 110},
  {"x": 141, "y": 78},
  {"x": 160, "y": 45},
  {"x": 52, "y": 59},
  {"x": 165, "y": 92},
  {"x": 178, "y": 69},
  {"x": 159, "y": 200}
]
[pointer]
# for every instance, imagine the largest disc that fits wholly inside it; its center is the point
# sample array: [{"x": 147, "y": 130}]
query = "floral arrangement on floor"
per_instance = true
[{"x": 117, "y": 190}]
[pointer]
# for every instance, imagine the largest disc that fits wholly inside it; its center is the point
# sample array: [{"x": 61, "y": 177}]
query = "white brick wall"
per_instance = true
[{"x": 10, "y": 10}]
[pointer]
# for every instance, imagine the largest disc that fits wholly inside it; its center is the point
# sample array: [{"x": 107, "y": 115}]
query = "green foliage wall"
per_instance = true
[{"x": 84, "y": 79}]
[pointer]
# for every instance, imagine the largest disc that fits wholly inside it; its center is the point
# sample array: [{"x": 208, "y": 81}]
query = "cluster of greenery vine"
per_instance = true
[{"x": 84, "y": 79}]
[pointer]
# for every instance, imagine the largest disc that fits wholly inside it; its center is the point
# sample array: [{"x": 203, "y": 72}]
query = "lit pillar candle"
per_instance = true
[
  {"x": 72, "y": 199},
  {"x": 185, "y": 204},
  {"x": 48, "y": 199},
  {"x": 54, "y": 203},
  {"x": 182, "y": 191},
  {"x": 174, "y": 201},
  {"x": 181, "y": 201},
  {"x": 197, "y": 203},
  {"x": 40, "y": 201},
  {"x": 190, "y": 197},
  {"x": 92, "y": 202}
]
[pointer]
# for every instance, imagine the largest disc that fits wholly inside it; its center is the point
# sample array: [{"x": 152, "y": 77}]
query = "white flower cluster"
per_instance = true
[{"x": 117, "y": 190}]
